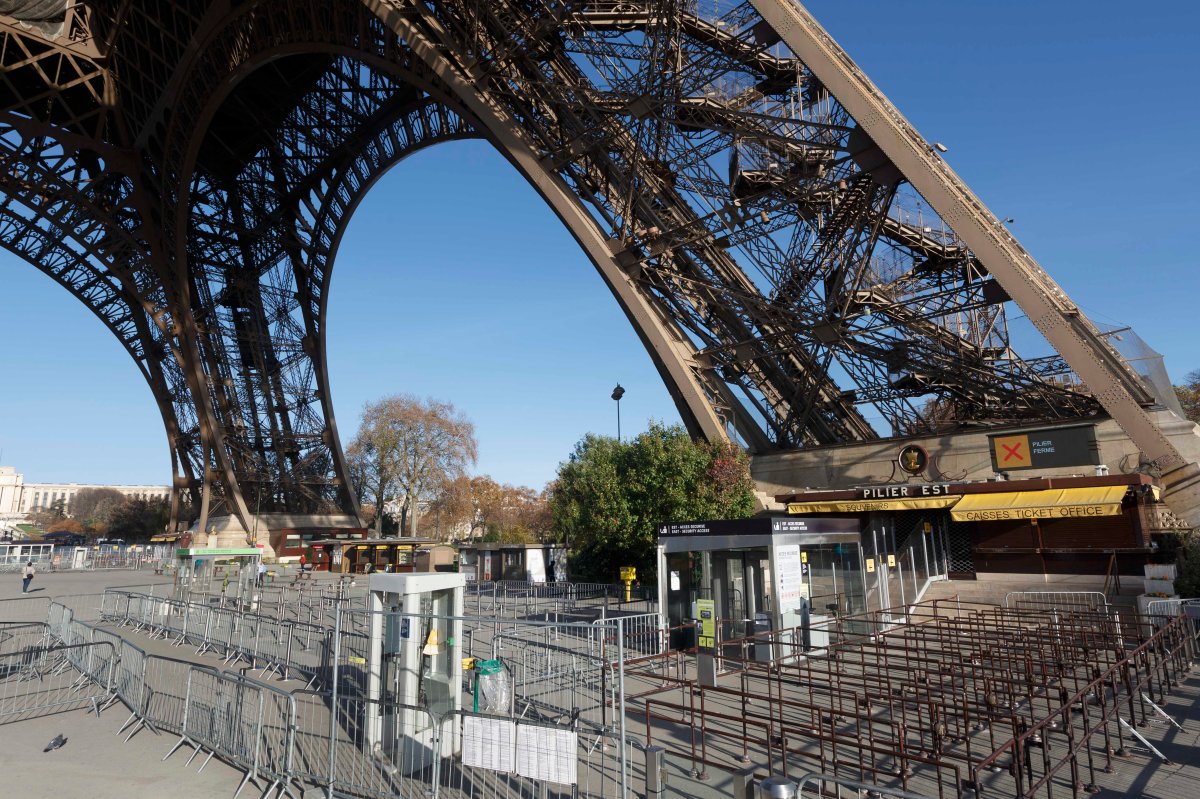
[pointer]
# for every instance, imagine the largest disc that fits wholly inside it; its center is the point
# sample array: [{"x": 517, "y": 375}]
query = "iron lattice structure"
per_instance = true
[{"x": 186, "y": 169}]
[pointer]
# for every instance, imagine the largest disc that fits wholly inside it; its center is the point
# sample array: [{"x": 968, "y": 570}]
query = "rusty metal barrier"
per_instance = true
[{"x": 929, "y": 704}]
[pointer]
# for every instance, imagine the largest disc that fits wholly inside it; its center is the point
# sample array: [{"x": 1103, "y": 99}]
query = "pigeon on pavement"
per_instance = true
[{"x": 55, "y": 743}]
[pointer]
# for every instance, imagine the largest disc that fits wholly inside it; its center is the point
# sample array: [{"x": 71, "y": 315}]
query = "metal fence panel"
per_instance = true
[
  {"x": 15, "y": 637},
  {"x": 165, "y": 693},
  {"x": 24, "y": 609},
  {"x": 1056, "y": 600},
  {"x": 40, "y": 680}
]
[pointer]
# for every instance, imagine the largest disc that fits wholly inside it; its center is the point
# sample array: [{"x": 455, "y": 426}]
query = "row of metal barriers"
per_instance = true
[
  {"x": 284, "y": 737},
  {"x": 246, "y": 722},
  {"x": 39, "y": 675},
  {"x": 291, "y": 649}
]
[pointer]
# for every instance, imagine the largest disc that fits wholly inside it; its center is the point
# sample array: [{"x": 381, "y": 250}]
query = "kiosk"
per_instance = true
[
  {"x": 527, "y": 563},
  {"x": 760, "y": 574},
  {"x": 414, "y": 667},
  {"x": 234, "y": 569}
]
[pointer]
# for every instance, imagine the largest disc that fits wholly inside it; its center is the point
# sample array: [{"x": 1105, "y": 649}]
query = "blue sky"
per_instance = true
[{"x": 1078, "y": 120}]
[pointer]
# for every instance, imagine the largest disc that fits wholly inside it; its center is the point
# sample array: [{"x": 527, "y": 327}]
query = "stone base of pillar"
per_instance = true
[{"x": 225, "y": 532}]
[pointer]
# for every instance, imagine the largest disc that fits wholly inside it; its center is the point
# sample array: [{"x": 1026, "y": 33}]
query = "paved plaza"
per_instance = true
[{"x": 97, "y": 763}]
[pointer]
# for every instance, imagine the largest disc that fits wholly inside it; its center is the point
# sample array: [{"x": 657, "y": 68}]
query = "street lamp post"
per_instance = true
[{"x": 618, "y": 392}]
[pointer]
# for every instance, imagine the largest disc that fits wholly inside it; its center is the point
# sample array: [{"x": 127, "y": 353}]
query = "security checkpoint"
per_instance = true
[
  {"x": 753, "y": 576},
  {"x": 231, "y": 571},
  {"x": 414, "y": 669}
]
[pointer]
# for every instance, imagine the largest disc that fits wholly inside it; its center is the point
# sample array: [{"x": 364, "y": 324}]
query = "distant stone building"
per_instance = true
[
  {"x": 11, "y": 487},
  {"x": 18, "y": 498}
]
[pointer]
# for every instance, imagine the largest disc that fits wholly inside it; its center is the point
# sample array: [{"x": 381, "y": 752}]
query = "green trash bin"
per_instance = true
[{"x": 495, "y": 683}]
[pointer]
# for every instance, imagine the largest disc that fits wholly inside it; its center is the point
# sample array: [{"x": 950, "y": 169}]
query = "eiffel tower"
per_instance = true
[{"x": 802, "y": 266}]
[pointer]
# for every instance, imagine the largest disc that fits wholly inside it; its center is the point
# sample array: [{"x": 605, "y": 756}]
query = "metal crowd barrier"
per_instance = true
[
  {"x": 642, "y": 634},
  {"x": 164, "y": 696},
  {"x": 1173, "y": 607},
  {"x": 246, "y": 723},
  {"x": 16, "y": 636},
  {"x": 564, "y": 674},
  {"x": 39, "y": 679},
  {"x": 273, "y": 646},
  {"x": 510, "y": 598},
  {"x": 569, "y": 677},
  {"x": 1057, "y": 600},
  {"x": 24, "y": 609}
]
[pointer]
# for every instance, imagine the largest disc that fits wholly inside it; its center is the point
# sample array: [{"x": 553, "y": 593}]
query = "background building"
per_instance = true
[
  {"x": 11, "y": 488},
  {"x": 18, "y": 498}
]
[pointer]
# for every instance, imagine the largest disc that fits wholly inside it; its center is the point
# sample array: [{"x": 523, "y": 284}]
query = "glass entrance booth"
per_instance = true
[
  {"x": 761, "y": 574},
  {"x": 230, "y": 572}
]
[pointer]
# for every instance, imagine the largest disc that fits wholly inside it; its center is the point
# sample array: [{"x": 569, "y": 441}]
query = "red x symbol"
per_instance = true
[{"x": 1012, "y": 452}]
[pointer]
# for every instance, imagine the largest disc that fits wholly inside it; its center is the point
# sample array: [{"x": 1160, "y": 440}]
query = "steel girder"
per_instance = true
[{"x": 187, "y": 171}]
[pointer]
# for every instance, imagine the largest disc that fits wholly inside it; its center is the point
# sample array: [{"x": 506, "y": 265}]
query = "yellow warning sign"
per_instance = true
[
  {"x": 891, "y": 561},
  {"x": 871, "y": 565}
]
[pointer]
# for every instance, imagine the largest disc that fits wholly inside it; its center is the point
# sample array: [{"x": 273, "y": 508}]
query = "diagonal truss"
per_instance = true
[{"x": 801, "y": 266}]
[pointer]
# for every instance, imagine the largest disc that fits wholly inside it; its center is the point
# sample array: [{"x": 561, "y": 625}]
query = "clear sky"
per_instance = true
[{"x": 1078, "y": 119}]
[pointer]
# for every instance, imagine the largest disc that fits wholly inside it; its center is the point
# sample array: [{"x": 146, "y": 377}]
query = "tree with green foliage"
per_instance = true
[
  {"x": 1187, "y": 566},
  {"x": 1189, "y": 395},
  {"x": 95, "y": 507},
  {"x": 610, "y": 496},
  {"x": 139, "y": 519}
]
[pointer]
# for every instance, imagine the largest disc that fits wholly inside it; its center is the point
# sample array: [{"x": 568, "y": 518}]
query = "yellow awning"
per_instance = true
[
  {"x": 1057, "y": 503},
  {"x": 865, "y": 505}
]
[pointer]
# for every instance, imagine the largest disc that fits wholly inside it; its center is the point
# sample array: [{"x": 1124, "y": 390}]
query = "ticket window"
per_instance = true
[
  {"x": 468, "y": 564},
  {"x": 513, "y": 564}
]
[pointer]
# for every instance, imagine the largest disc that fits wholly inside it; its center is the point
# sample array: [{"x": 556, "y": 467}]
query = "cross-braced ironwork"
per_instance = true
[{"x": 187, "y": 169}]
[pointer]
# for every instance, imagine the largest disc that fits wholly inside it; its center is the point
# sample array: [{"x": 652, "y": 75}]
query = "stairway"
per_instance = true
[{"x": 993, "y": 591}]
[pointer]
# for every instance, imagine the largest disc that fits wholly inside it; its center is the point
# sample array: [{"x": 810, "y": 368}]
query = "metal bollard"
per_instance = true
[
  {"x": 656, "y": 772},
  {"x": 743, "y": 783},
  {"x": 777, "y": 788}
]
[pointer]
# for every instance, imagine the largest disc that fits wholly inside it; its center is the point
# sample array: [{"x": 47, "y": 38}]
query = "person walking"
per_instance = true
[{"x": 27, "y": 577}]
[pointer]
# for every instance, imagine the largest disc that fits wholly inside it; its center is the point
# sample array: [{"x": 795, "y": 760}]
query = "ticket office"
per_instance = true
[
  {"x": 1060, "y": 525},
  {"x": 357, "y": 556},
  {"x": 758, "y": 573}
]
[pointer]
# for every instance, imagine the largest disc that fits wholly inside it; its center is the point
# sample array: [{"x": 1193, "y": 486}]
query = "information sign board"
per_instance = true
[
  {"x": 789, "y": 575},
  {"x": 1045, "y": 449},
  {"x": 706, "y": 610}
]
